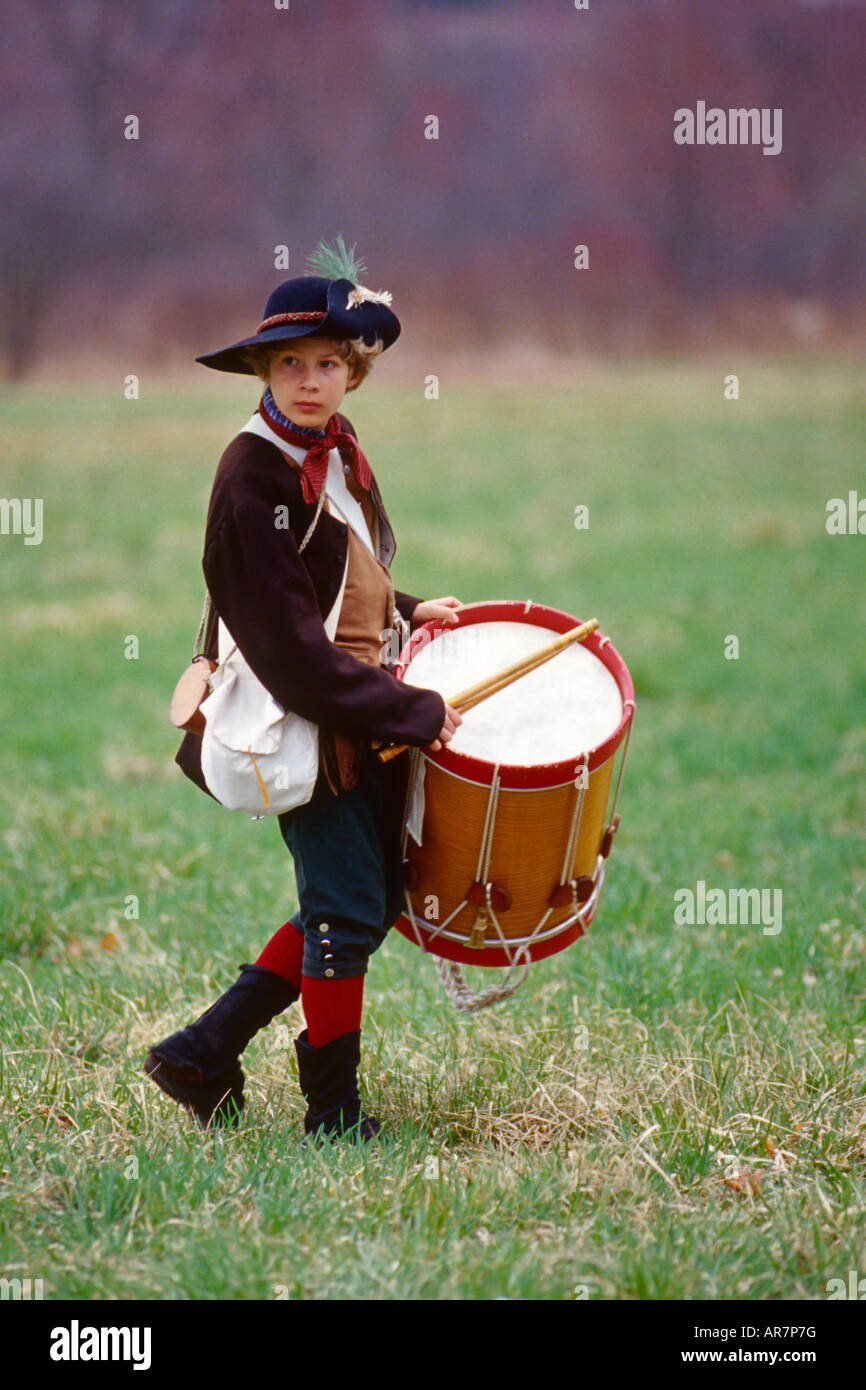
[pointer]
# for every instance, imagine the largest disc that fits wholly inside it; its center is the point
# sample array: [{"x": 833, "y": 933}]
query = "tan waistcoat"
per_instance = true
[{"x": 368, "y": 600}]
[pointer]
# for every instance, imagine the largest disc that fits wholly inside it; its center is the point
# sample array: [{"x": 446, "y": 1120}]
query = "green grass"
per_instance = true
[{"x": 520, "y": 1163}]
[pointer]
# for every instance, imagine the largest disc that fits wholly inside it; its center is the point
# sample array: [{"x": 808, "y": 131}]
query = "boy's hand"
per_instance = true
[
  {"x": 446, "y": 733},
  {"x": 442, "y": 610}
]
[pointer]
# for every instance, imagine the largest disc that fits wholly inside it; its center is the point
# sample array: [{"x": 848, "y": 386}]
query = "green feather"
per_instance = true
[{"x": 336, "y": 262}]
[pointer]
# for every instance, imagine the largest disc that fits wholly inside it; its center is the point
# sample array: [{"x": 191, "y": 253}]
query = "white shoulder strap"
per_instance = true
[
  {"x": 334, "y": 616},
  {"x": 227, "y": 643}
]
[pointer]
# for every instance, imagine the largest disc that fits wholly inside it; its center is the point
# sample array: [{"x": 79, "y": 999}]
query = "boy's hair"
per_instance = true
[{"x": 359, "y": 355}]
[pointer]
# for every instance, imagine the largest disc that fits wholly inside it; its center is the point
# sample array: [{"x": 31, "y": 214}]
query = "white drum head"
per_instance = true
[{"x": 562, "y": 709}]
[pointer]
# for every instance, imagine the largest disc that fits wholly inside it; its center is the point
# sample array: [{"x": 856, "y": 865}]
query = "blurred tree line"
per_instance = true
[{"x": 260, "y": 126}]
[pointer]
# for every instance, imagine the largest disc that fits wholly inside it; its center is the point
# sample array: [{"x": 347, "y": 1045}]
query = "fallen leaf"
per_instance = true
[
  {"x": 744, "y": 1181},
  {"x": 56, "y": 1115}
]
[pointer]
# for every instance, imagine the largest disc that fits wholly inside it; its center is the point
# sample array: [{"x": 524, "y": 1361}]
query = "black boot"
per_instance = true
[
  {"x": 198, "y": 1067},
  {"x": 329, "y": 1081}
]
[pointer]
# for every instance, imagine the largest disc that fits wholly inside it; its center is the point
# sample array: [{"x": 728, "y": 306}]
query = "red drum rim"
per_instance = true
[
  {"x": 516, "y": 775},
  {"x": 493, "y": 956}
]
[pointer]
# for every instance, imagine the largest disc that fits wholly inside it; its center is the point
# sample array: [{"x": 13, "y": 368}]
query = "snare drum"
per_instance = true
[{"x": 508, "y": 827}]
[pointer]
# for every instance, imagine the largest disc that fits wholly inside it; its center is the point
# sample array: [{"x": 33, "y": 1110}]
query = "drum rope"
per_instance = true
[
  {"x": 487, "y": 832},
  {"x": 503, "y": 939},
  {"x": 461, "y": 995},
  {"x": 622, "y": 759},
  {"x": 440, "y": 927},
  {"x": 576, "y": 816},
  {"x": 410, "y": 914}
]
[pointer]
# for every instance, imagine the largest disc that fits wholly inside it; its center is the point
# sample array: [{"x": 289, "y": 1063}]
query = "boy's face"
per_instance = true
[{"x": 308, "y": 380}]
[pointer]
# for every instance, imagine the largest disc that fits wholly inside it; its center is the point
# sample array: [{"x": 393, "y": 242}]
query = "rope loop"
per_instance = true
[{"x": 462, "y": 997}]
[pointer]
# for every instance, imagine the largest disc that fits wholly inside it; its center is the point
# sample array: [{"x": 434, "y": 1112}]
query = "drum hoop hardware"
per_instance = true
[
  {"x": 452, "y": 978},
  {"x": 537, "y": 934},
  {"x": 439, "y": 929}
]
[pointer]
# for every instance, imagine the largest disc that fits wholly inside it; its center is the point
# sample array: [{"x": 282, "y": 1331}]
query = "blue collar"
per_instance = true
[{"x": 271, "y": 409}]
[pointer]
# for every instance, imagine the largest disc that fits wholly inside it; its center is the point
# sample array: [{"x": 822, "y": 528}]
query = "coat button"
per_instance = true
[
  {"x": 323, "y": 926},
  {"x": 329, "y": 973}
]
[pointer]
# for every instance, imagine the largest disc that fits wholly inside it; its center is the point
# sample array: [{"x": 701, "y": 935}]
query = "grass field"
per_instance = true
[{"x": 582, "y": 1131}]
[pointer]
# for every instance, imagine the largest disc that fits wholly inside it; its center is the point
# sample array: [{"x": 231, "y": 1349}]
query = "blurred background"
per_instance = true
[{"x": 261, "y": 127}]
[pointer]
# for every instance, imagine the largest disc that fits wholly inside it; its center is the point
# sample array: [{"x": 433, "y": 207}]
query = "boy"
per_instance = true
[{"x": 317, "y": 339}]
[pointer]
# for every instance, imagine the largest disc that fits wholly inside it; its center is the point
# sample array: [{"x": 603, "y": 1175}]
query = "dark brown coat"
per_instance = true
[{"x": 273, "y": 600}]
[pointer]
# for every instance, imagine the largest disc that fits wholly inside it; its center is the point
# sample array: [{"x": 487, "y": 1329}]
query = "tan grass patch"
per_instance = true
[
  {"x": 81, "y": 616},
  {"x": 137, "y": 767}
]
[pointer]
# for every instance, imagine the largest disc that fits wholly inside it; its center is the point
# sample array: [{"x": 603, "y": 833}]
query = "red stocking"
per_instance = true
[
  {"x": 284, "y": 954},
  {"x": 331, "y": 1007}
]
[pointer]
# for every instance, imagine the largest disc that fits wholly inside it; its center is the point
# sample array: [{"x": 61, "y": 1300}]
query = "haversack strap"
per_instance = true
[{"x": 207, "y": 606}]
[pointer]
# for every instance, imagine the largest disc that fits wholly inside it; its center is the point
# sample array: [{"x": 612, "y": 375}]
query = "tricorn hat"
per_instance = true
[{"x": 333, "y": 303}]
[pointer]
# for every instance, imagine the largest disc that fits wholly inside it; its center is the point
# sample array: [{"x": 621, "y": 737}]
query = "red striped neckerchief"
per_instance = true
[{"x": 318, "y": 445}]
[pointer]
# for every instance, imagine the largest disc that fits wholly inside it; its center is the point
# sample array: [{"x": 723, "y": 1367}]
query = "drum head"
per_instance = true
[{"x": 558, "y": 711}]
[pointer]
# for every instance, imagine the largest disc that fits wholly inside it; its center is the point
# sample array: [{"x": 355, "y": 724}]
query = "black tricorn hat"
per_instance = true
[{"x": 339, "y": 308}]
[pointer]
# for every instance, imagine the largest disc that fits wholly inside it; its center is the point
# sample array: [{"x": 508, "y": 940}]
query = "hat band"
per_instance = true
[{"x": 312, "y": 316}]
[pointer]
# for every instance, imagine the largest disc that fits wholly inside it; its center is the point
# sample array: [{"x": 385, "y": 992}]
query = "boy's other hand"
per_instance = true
[
  {"x": 440, "y": 610},
  {"x": 448, "y": 730}
]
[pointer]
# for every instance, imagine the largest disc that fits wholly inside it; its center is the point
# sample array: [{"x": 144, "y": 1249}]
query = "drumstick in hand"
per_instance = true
[{"x": 474, "y": 694}]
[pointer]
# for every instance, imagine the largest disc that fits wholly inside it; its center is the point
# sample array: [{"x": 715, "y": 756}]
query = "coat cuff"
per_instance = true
[{"x": 406, "y": 604}]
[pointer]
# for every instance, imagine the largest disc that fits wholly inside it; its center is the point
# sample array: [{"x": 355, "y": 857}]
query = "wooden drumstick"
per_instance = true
[{"x": 474, "y": 694}]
